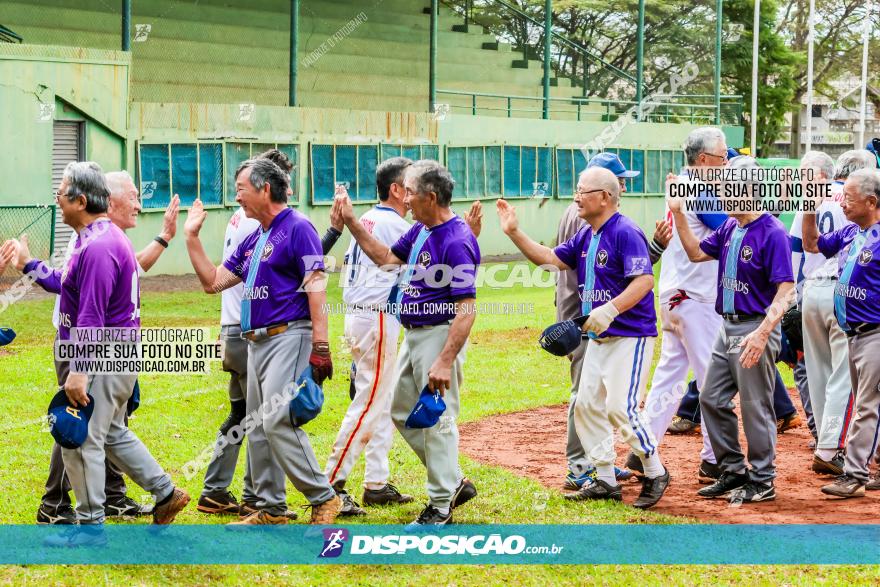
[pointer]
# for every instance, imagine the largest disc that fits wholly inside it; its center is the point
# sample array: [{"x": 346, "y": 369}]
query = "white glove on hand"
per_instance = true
[{"x": 600, "y": 319}]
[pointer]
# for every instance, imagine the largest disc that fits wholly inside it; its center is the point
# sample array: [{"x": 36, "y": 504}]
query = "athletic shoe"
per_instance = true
[
  {"x": 574, "y": 482},
  {"x": 725, "y": 484},
  {"x": 708, "y": 472},
  {"x": 429, "y": 518},
  {"x": 325, "y": 513},
  {"x": 221, "y": 503},
  {"x": 62, "y": 516},
  {"x": 126, "y": 507},
  {"x": 792, "y": 420},
  {"x": 634, "y": 463},
  {"x": 596, "y": 490},
  {"x": 753, "y": 492},
  {"x": 682, "y": 426},
  {"x": 249, "y": 507},
  {"x": 386, "y": 495},
  {"x": 873, "y": 483},
  {"x": 165, "y": 513},
  {"x": 260, "y": 518},
  {"x": 465, "y": 492},
  {"x": 350, "y": 507},
  {"x": 845, "y": 486},
  {"x": 622, "y": 474},
  {"x": 652, "y": 491},
  {"x": 76, "y": 536},
  {"x": 832, "y": 467}
]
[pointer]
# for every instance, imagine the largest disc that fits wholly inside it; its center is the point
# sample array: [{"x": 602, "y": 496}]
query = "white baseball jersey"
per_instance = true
[
  {"x": 239, "y": 227},
  {"x": 677, "y": 271},
  {"x": 829, "y": 217},
  {"x": 364, "y": 283}
]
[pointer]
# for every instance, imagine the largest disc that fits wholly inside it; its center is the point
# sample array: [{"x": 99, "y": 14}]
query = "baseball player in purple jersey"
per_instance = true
[
  {"x": 282, "y": 267},
  {"x": 99, "y": 289},
  {"x": 437, "y": 314},
  {"x": 755, "y": 286},
  {"x": 615, "y": 282},
  {"x": 858, "y": 314}
]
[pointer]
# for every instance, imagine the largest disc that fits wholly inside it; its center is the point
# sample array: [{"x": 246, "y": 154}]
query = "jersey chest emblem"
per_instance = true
[
  {"x": 602, "y": 258},
  {"x": 425, "y": 258},
  {"x": 746, "y": 254},
  {"x": 865, "y": 257}
]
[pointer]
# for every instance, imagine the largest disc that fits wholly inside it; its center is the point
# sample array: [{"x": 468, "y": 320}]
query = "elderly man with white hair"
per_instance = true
[{"x": 123, "y": 208}]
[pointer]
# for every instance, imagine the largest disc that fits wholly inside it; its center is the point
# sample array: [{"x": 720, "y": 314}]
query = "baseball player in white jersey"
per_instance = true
[
  {"x": 371, "y": 330},
  {"x": 687, "y": 310}
]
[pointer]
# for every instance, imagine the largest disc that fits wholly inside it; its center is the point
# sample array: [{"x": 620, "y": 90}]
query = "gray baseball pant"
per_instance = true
[
  {"x": 578, "y": 463},
  {"x": 274, "y": 363},
  {"x": 221, "y": 469},
  {"x": 108, "y": 435},
  {"x": 724, "y": 378},
  {"x": 436, "y": 447},
  {"x": 864, "y": 368}
]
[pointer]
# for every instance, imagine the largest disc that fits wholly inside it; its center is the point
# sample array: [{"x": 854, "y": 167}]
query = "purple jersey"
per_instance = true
[
  {"x": 99, "y": 285},
  {"x": 441, "y": 268},
  {"x": 855, "y": 296},
  {"x": 289, "y": 250},
  {"x": 752, "y": 261},
  {"x": 606, "y": 263}
]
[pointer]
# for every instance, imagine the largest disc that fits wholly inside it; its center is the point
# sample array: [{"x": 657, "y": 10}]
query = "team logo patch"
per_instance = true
[
  {"x": 424, "y": 258},
  {"x": 865, "y": 256},
  {"x": 746, "y": 254},
  {"x": 267, "y": 251},
  {"x": 334, "y": 540},
  {"x": 602, "y": 258}
]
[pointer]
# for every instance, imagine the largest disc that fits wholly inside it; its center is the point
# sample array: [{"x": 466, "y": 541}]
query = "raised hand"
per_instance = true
[
  {"x": 474, "y": 218},
  {"x": 169, "y": 221},
  {"x": 507, "y": 216},
  {"x": 195, "y": 218}
]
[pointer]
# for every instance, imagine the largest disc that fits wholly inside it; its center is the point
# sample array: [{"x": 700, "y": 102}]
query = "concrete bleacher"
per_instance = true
[{"x": 210, "y": 51}]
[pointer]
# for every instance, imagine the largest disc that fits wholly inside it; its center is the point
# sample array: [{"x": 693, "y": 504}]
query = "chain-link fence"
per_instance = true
[{"x": 38, "y": 222}]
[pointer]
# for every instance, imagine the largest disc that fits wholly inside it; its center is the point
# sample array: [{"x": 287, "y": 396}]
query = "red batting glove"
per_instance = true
[{"x": 321, "y": 362}]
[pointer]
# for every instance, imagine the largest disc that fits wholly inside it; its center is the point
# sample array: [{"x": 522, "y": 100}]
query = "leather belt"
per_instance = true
[
  {"x": 736, "y": 318},
  {"x": 411, "y": 327},
  {"x": 268, "y": 332},
  {"x": 861, "y": 328}
]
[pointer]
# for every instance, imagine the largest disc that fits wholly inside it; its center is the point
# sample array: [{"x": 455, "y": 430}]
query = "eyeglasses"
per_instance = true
[
  {"x": 587, "y": 193},
  {"x": 722, "y": 157}
]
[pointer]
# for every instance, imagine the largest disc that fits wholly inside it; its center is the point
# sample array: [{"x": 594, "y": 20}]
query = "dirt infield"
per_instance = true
[{"x": 532, "y": 444}]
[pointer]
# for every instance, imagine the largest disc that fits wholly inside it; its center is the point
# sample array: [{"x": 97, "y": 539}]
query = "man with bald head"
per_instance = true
[
  {"x": 616, "y": 290},
  {"x": 124, "y": 206}
]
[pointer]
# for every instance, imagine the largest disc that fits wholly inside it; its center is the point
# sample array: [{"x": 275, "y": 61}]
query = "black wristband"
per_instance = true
[{"x": 161, "y": 241}]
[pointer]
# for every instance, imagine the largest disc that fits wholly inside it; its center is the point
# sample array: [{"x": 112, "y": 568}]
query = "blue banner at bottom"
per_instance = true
[{"x": 465, "y": 544}]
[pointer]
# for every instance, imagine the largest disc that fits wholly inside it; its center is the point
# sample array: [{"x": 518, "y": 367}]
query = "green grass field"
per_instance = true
[{"x": 179, "y": 416}]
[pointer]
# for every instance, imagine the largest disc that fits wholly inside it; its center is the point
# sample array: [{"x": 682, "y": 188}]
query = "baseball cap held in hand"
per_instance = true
[
  {"x": 307, "y": 399},
  {"x": 427, "y": 410},
  {"x": 563, "y": 338},
  {"x": 7, "y": 335},
  {"x": 69, "y": 424}
]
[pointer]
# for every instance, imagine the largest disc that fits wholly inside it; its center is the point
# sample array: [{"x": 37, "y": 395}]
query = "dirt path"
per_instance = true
[{"x": 532, "y": 444}]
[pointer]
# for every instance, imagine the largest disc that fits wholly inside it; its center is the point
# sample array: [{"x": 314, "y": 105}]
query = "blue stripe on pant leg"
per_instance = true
[{"x": 635, "y": 378}]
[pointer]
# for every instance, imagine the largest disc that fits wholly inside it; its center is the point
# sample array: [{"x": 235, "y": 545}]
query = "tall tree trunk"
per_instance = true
[{"x": 794, "y": 150}]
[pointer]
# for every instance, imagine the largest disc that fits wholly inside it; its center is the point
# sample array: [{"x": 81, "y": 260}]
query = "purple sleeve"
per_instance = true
[
  {"x": 44, "y": 276},
  {"x": 97, "y": 277},
  {"x": 779, "y": 257},
  {"x": 636, "y": 258},
  {"x": 404, "y": 244},
  {"x": 833, "y": 242},
  {"x": 464, "y": 260},
  {"x": 305, "y": 247},
  {"x": 235, "y": 261},
  {"x": 569, "y": 251},
  {"x": 712, "y": 244}
]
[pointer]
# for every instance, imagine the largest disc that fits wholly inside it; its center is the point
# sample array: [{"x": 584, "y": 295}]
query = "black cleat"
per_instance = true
[
  {"x": 465, "y": 492},
  {"x": 725, "y": 484},
  {"x": 429, "y": 518},
  {"x": 752, "y": 492},
  {"x": 634, "y": 463},
  {"x": 386, "y": 495},
  {"x": 62, "y": 516},
  {"x": 77, "y": 536},
  {"x": 832, "y": 467},
  {"x": 223, "y": 503},
  {"x": 708, "y": 472},
  {"x": 126, "y": 507},
  {"x": 350, "y": 507},
  {"x": 652, "y": 491},
  {"x": 598, "y": 489},
  {"x": 845, "y": 486}
]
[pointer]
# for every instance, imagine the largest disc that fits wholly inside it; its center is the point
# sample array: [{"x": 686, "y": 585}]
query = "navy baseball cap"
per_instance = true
[
  {"x": 427, "y": 410},
  {"x": 69, "y": 424},
  {"x": 7, "y": 335},
  {"x": 612, "y": 163},
  {"x": 732, "y": 153},
  {"x": 873, "y": 146},
  {"x": 307, "y": 399},
  {"x": 564, "y": 337}
]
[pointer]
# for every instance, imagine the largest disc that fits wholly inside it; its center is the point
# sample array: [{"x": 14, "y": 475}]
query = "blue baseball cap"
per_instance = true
[
  {"x": 873, "y": 146},
  {"x": 732, "y": 153},
  {"x": 7, "y": 335},
  {"x": 307, "y": 399},
  {"x": 427, "y": 410},
  {"x": 69, "y": 424},
  {"x": 563, "y": 338},
  {"x": 612, "y": 163}
]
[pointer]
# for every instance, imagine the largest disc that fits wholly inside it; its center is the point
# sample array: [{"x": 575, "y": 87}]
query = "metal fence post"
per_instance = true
[
  {"x": 432, "y": 58},
  {"x": 126, "y": 25},
  {"x": 640, "y": 59},
  {"x": 548, "y": 23},
  {"x": 718, "y": 61},
  {"x": 294, "y": 50}
]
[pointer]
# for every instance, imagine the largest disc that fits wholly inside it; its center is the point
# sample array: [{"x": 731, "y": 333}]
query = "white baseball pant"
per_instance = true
[
  {"x": 689, "y": 333},
  {"x": 367, "y": 425}
]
